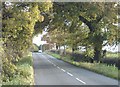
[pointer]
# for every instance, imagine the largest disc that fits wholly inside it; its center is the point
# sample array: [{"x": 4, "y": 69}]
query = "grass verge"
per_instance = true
[
  {"x": 109, "y": 71},
  {"x": 24, "y": 74}
]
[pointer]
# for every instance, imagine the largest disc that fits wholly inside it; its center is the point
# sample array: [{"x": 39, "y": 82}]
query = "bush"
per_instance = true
[
  {"x": 8, "y": 70},
  {"x": 111, "y": 61},
  {"x": 24, "y": 73}
]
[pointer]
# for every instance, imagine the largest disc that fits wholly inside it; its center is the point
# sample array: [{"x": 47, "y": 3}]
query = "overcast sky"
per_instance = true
[{"x": 37, "y": 39}]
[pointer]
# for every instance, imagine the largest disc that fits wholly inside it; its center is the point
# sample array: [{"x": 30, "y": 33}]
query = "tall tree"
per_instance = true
[
  {"x": 18, "y": 21},
  {"x": 98, "y": 16}
]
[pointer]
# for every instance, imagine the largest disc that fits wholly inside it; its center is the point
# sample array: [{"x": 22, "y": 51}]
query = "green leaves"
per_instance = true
[
  {"x": 18, "y": 28},
  {"x": 99, "y": 17}
]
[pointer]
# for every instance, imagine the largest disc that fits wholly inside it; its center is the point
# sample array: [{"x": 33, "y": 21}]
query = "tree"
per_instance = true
[
  {"x": 18, "y": 29},
  {"x": 55, "y": 37},
  {"x": 98, "y": 16},
  {"x": 24, "y": 20}
]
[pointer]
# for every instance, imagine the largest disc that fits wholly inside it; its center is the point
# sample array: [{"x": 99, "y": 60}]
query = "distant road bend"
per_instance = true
[{"x": 51, "y": 71}]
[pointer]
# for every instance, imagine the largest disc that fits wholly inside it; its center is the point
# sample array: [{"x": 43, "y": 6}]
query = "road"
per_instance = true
[{"x": 51, "y": 71}]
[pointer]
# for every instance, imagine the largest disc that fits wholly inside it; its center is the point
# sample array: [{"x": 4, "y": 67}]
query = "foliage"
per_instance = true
[
  {"x": 99, "y": 17},
  {"x": 77, "y": 37},
  {"x": 18, "y": 27},
  {"x": 24, "y": 75},
  {"x": 34, "y": 48},
  {"x": 21, "y": 21},
  {"x": 89, "y": 52}
]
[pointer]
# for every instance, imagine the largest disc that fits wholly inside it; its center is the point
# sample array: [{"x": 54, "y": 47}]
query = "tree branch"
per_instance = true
[
  {"x": 98, "y": 19},
  {"x": 88, "y": 23},
  {"x": 84, "y": 20}
]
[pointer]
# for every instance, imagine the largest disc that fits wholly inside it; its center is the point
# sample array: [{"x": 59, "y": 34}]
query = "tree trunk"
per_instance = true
[
  {"x": 73, "y": 50},
  {"x": 97, "y": 53},
  {"x": 92, "y": 25},
  {"x": 59, "y": 49},
  {"x": 64, "y": 52},
  {"x": 56, "y": 47}
]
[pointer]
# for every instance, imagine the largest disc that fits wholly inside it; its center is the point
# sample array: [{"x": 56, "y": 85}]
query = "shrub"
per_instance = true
[
  {"x": 8, "y": 70},
  {"x": 24, "y": 73}
]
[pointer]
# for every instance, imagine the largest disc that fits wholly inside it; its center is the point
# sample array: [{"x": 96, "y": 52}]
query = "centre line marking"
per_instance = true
[
  {"x": 58, "y": 67},
  {"x": 69, "y": 74},
  {"x": 80, "y": 80},
  {"x": 54, "y": 64},
  {"x": 63, "y": 70},
  {"x": 49, "y": 61}
]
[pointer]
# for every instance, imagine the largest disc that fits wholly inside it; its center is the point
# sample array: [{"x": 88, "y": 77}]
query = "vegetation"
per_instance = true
[
  {"x": 88, "y": 24},
  {"x": 24, "y": 75},
  {"x": 98, "y": 20},
  {"x": 112, "y": 55},
  {"x": 19, "y": 25},
  {"x": 34, "y": 48}
]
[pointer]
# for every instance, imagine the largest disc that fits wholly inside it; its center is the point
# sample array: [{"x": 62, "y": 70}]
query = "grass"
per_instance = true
[
  {"x": 54, "y": 55},
  {"x": 25, "y": 72},
  {"x": 110, "y": 71},
  {"x": 112, "y": 55}
]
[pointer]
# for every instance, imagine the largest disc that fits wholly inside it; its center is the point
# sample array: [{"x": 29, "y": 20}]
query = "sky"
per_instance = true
[
  {"x": 112, "y": 48},
  {"x": 37, "y": 39}
]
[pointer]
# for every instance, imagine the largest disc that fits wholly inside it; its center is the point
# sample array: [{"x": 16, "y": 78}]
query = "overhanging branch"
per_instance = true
[
  {"x": 88, "y": 23},
  {"x": 84, "y": 20},
  {"x": 98, "y": 19}
]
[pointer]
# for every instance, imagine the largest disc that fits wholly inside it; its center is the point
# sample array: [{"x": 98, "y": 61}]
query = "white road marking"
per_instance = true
[
  {"x": 80, "y": 80},
  {"x": 54, "y": 64},
  {"x": 69, "y": 74},
  {"x": 63, "y": 70},
  {"x": 49, "y": 61},
  {"x": 58, "y": 67}
]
